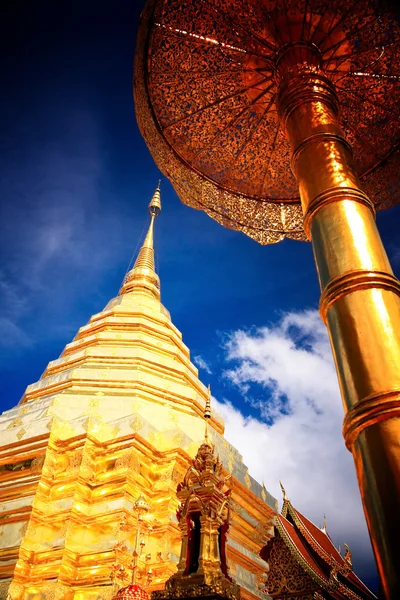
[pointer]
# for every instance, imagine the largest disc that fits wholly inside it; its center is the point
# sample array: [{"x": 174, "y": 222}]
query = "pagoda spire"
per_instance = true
[
  {"x": 143, "y": 274},
  {"x": 207, "y": 416}
]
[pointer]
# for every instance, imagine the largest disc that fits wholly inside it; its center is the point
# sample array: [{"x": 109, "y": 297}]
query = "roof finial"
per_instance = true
[
  {"x": 347, "y": 555},
  {"x": 324, "y": 525},
  {"x": 283, "y": 491},
  {"x": 143, "y": 272}
]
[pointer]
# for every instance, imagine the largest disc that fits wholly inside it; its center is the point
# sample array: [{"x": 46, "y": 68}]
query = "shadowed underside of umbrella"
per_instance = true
[{"x": 206, "y": 90}]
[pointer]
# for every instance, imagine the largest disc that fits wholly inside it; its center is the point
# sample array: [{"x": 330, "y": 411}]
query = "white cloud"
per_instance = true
[
  {"x": 287, "y": 372},
  {"x": 202, "y": 364}
]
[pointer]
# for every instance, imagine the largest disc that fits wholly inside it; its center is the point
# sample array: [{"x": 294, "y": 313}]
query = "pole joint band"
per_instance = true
[
  {"x": 330, "y": 195},
  {"x": 306, "y": 86},
  {"x": 371, "y": 410},
  {"x": 319, "y": 136},
  {"x": 352, "y": 282}
]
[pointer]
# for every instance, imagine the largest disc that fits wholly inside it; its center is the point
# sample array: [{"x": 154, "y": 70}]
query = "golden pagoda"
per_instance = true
[{"x": 91, "y": 457}]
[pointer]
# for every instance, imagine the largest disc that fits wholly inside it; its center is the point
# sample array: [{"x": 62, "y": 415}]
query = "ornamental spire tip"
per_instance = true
[
  {"x": 283, "y": 491},
  {"x": 207, "y": 414},
  {"x": 324, "y": 525},
  {"x": 207, "y": 408},
  {"x": 143, "y": 273},
  {"x": 155, "y": 203}
]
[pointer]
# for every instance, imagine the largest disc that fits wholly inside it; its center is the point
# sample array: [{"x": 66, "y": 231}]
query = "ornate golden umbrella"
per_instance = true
[{"x": 232, "y": 97}]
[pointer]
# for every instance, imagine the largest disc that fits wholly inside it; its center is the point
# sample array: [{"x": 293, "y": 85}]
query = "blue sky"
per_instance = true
[{"x": 75, "y": 180}]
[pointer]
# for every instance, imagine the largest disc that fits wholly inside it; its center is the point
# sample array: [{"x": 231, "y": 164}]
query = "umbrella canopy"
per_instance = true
[{"x": 206, "y": 90}]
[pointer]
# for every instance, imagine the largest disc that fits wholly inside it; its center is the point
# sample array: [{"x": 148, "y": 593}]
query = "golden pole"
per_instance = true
[{"x": 360, "y": 301}]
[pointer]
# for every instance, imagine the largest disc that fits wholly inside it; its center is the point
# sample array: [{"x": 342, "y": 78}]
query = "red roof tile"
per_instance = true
[
  {"x": 301, "y": 545},
  {"x": 322, "y": 538},
  {"x": 358, "y": 584},
  {"x": 325, "y": 542}
]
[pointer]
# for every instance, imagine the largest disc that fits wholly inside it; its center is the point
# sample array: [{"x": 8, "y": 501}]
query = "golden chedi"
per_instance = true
[{"x": 118, "y": 416}]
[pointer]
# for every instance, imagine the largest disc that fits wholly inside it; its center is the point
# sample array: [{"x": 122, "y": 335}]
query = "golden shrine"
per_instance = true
[{"x": 109, "y": 485}]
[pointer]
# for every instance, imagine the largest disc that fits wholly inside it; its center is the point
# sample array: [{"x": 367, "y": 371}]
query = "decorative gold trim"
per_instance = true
[
  {"x": 328, "y": 585},
  {"x": 352, "y": 282},
  {"x": 368, "y": 412},
  {"x": 330, "y": 560},
  {"x": 299, "y": 557},
  {"x": 316, "y": 137},
  {"x": 334, "y": 195}
]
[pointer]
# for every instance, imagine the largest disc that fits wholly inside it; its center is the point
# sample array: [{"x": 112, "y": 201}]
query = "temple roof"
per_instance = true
[
  {"x": 315, "y": 535},
  {"x": 313, "y": 549},
  {"x": 288, "y": 530}
]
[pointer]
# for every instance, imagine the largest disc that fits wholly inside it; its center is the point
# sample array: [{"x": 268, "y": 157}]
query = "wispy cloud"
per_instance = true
[
  {"x": 12, "y": 336},
  {"x": 286, "y": 370},
  {"x": 54, "y": 238},
  {"x": 202, "y": 364}
]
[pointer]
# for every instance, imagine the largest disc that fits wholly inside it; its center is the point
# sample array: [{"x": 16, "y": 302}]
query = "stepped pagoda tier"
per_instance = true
[
  {"x": 91, "y": 457},
  {"x": 305, "y": 564}
]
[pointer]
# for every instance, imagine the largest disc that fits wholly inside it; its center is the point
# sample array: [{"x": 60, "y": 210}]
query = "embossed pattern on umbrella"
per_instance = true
[{"x": 205, "y": 101}]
